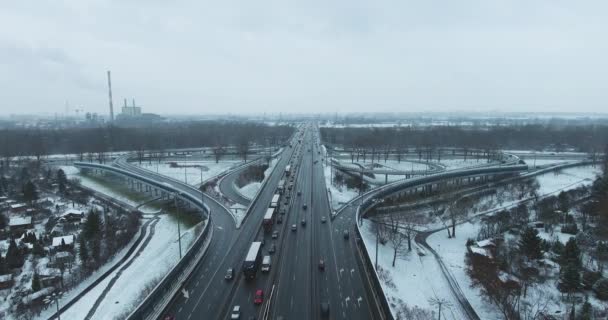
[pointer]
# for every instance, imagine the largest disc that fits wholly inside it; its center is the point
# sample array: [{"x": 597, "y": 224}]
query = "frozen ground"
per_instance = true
[
  {"x": 251, "y": 189},
  {"x": 452, "y": 252},
  {"x": 190, "y": 175},
  {"x": 414, "y": 280},
  {"x": 423, "y": 273},
  {"x": 567, "y": 179},
  {"x": 337, "y": 195},
  {"x": 91, "y": 183},
  {"x": 451, "y": 164},
  {"x": 158, "y": 256}
]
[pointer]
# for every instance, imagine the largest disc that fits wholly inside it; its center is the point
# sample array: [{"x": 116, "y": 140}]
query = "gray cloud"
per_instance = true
[{"x": 308, "y": 56}]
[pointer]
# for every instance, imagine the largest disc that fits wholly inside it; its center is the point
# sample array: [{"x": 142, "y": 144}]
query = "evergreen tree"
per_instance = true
[
  {"x": 572, "y": 314},
  {"x": 62, "y": 180},
  {"x": 570, "y": 279},
  {"x": 530, "y": 244},
  {"x": 586, "y": 311},
  {"x": 14, "y": 257},
  {"x": 92, "y": 225},
  {"x": 571, "y": 254},
  {"x": 38, "y": 249},
  {"x": 3, "y": 266},
  {"x": 83, "y": 252},
  {"x": 601, "y": 289},
  {"x": 36, "y": 286},
  {"x": 30, "y": 192},
  {"x": 96, "y": 251}
]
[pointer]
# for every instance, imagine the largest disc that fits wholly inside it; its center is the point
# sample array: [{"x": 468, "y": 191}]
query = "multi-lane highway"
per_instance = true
[{"x": 296, "y": 286}]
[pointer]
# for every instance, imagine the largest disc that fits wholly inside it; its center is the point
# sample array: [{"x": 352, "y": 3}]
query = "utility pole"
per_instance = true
[
  {"x": 179, "y": 235},
  {"x": 377, "y": 237}
]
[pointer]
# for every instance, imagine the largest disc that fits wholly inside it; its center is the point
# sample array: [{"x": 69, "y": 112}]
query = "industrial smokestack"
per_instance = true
[{"x": 110, "y": 96}]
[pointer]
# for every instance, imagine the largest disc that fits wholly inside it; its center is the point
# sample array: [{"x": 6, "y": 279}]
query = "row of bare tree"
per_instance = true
[{"x": 98, "y": 141}]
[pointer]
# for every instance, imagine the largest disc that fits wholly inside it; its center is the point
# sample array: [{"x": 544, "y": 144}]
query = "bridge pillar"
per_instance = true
[{"x": 386, "y": 178}]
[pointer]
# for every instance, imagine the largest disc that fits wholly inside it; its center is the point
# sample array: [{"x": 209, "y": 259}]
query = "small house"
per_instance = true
[
  {"x": 72, "y": 216},
  {"x": 18, "y": 207},
  {"x": 6, "y": 281},
  {"x": 63, "y": 243},
  {"x": 18, "y": 225}
]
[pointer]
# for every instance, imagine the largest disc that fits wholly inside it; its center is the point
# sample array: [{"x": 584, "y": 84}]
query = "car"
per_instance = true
[
  {"x": 345, "y": 234},
  {"x": 324, "y": 309},
  {"x": 236, "y": 312},
  {"x": 279, "y": 219},
  {"x": 299, "y": 192},
  {"x": 294, "y": 227},
  {"x": 321, "y": 264},
  {"x": 323, "y": 219},
  {"x": 272, "y": 249},
  {"x": 275, "y": 234},
  {"x": 304, "y": 206},
  {"x": 263, "y": 242},
  {"x": 259, "y": 297},
  {"x": 303, "y": 222},
  {"x": 229, "y": 274}
]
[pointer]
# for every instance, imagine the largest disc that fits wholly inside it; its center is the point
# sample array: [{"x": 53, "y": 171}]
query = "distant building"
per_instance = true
[
  {"x": 6, "y": 281},
  {"x": 67, "y": 240},
  {"x": 72, "y": 216},
  {"x": 18, "y": 207},
  {"x": 131, "y": 111},
  {"x": 19, "y": 225}
]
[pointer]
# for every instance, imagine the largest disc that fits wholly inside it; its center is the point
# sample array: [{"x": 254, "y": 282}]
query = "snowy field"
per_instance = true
[
  {"x": 567, "y": 179},
  {"x": 423, "y": 273},
  {"x": 155, "y": 259},
  {"x": 338, "y": 196},
  {"x": 411, "y": 271},
  {"x": 451, "y": 164},
  {"x": 190, "y": 175},
  {"x": 91, "y": 183},
  {"x": 404, "y": 165},
  {"x": 251, "y": 189}
]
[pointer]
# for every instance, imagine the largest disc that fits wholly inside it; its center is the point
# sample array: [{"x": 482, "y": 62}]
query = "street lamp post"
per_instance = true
[
  {"x": 54, "y": 298},
  {"x": 179, "y": 236}
]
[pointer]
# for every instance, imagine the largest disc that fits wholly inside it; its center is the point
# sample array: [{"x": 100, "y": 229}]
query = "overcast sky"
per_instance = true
[{"x": 305, "y": 56}]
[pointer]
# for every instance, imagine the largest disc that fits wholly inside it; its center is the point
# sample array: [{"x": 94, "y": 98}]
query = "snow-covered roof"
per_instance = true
[
  {"x": 485, "y": 243},
  {"x": 504, "y": 277},
  {"x": 67, "y": 239},
  {"x": 63, "y": 254},
  {"x": 19, "y": 221},
  {"x": 479, "y": 251},
  {"x": 18, "y": 205},
  {"x": 72, "y": 211},
  {"x": 6, "y": 277}
]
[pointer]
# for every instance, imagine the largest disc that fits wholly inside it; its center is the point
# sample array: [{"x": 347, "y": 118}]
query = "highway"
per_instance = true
[{"x": 210, "y": 295}]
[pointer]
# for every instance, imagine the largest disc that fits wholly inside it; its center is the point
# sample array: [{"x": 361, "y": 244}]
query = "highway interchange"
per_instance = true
[{"x": 295, "y": 287}]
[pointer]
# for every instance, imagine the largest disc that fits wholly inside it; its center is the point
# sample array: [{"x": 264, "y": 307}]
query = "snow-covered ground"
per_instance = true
[
  {"x": 423, "y": 273},
  {"x": 567, "y": 179},
  {"x": 452, "y": 252},
  {"x": 92, "y": 183},
  {"x": 404, "y": 165},
  {"x": 337, "y": 195},
  {"x": 191, "y": 175},
  {"x": 451, "y": 164},
  {"x": 251, "y": 189},
  {"x": 157, "y": 257},
  {"x": 414, "y": 280}
]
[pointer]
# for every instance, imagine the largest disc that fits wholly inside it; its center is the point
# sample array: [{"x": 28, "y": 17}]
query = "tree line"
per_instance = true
[
  {"x": 100, "y": 140},
  {"x": 589, "y": 138}
]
